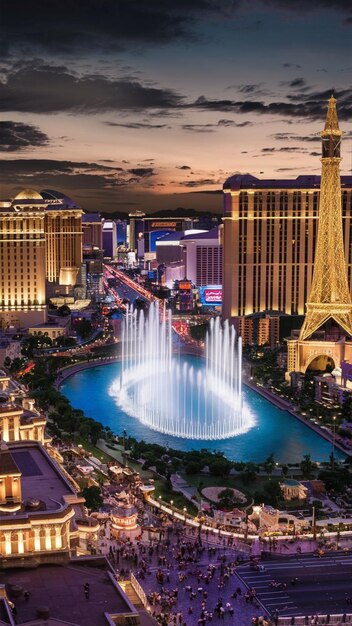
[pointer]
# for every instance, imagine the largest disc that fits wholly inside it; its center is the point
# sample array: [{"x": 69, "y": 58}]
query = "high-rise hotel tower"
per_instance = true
[
  {"x": 40, "y": 254},
  {"x": 269, "y": 239},
  {"x": 22, "y": 261}
]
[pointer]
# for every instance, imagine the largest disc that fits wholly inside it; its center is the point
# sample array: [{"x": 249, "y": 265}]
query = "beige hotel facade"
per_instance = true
[
  {"x": 40, "y": 253},
  {"x": 269, "y": 238}
]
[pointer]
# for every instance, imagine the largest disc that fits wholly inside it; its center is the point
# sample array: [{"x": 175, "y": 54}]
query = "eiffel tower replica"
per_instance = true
[{"x": 324, "y": 339}]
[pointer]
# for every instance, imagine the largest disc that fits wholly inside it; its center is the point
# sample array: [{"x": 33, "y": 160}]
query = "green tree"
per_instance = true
[
  {"x": 220, "y": 466},
  {"x": 249, "y": 474},
  {"x": 84, "y": 328},
  {"x": 269, "y": 464},
  {"x": 307, "y": 467},
  {"x": 227, "y": 499},
  {"x": 272, "y": 491},
  {"x": 93, "y": 498},
  {"x": 193, "y": 467},
  {"x": 64, "y": 310}
]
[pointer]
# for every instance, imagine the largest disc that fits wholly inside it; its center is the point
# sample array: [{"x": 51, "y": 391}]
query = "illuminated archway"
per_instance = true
[{"x": 321, "y": 363}]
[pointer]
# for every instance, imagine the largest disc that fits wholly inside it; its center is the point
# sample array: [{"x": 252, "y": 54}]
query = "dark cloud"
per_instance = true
[
  {"x": 87, "y": 26},
  {"x": 36, "y": 87},
  {"x": 296, "y": 83},
  {"x": 294, "y": 137},
  {"x": 199, "y": 183},
  {"x": 286, "y": 169},
  {"x": 142, "y": 171},
  {"x": 293, "y": 65},
  {"x": 315, "y": 154},
  {"x": 307, "y": 106},
  {"x": 250, "y": 90},
  {"x": 69, "y": 175},
  {"x": 247, "y": 89},
  {"x": 284, "y": 149},
  {"x": 16, "y": 136},
  {"x": 343, "y": 6},
  {"x": 210, "y": 128},
  {"x": 183, "y": 167},
  {"x": 136, "y": 125},
  {"x": 90, "y": 27}
]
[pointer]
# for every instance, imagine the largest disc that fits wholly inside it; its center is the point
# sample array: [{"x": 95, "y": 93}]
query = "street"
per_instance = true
[{"x": 323, "y": 584}]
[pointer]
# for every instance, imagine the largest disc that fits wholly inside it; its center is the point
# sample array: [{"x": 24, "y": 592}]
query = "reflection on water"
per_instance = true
[{"x": 274, "y": 430}]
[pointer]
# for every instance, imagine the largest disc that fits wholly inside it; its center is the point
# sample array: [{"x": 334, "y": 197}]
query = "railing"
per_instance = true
[
  {"x": 318, "y": 620},
  {"x": 139, "y": 590}
]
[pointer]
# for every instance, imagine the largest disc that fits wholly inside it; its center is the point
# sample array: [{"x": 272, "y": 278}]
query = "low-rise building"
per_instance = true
[
  {"x": 42, "y": 519},
  {"x": 271, "y": 520},
  {"x": 293, "y": 490}
]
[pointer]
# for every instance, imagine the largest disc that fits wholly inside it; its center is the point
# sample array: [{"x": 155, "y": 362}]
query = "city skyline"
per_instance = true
[{"x": 154, "y": 106}]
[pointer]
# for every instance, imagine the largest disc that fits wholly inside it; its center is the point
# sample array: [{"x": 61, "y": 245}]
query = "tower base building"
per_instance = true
[
  {"x": 316, "y": 356},
  {"x": 325, "y": 339}
]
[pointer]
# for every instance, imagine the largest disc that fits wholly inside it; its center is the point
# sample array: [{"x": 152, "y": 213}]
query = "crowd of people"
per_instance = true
[{"x": 187, "y": 580}]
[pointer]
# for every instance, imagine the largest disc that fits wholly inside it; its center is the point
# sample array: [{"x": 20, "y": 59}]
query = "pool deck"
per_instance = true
[{"x": 279, "y": 402}]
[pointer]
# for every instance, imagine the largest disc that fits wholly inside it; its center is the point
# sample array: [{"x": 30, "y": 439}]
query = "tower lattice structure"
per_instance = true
[{"x": 329, "y": 297}]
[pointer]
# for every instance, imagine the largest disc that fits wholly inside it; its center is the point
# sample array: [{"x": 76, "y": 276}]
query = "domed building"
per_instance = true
[{"x": 124, "y": 524}]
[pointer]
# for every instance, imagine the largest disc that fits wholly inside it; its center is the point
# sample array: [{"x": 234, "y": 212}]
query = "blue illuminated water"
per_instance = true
[{"x": 274, "y": 430}]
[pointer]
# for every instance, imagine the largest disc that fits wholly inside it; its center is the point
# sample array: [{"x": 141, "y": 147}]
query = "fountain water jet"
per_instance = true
[{"x": 170, "y": 396}]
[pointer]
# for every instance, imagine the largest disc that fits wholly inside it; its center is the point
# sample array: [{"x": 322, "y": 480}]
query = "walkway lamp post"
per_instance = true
[{"x": 333, "y": 440}]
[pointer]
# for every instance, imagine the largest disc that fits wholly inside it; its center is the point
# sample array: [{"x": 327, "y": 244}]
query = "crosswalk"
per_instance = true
[{"x": 315, "y": 576}]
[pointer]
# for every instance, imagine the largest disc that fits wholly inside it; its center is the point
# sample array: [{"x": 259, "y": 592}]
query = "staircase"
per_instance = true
[{"x": 132, "y": 596}]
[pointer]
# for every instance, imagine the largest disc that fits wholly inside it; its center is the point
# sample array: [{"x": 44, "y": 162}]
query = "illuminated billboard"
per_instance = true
[{"x": 211, "y": 295}]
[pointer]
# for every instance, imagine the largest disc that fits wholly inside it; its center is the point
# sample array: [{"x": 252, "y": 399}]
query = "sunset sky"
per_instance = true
[{"x": 143, "y": 104}]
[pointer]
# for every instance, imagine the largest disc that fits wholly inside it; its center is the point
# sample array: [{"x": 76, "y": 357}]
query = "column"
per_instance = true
[
  {"x": 20, "y": 542},
  {"x": 5, "y": 429},
  {"x": 58, "y": 537},
  {"x": 8, "y": 546},
  {"x": 48, "y": 537},
  {"x": 37, "y": 539}
]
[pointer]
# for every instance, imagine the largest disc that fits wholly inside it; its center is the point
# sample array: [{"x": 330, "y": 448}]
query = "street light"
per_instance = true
[{"x": 333, "y": 440}]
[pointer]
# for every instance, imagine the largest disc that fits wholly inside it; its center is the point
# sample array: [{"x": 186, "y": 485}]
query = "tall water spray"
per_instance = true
[{"x": 173, "y": 396}]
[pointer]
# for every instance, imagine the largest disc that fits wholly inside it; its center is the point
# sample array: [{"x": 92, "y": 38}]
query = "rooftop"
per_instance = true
[
  {"x": 41, "y": 478},
  {"x": 290, "y": 482},
  {"x": 8, "y": 464},
  {"x": 61, "y": 589},
  {"x": 208, "y": 234},
  {"x": 247, "y": 181}
]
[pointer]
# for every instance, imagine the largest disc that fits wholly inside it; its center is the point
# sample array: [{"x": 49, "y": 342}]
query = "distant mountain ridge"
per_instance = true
[{"x": 179, "y": 212}]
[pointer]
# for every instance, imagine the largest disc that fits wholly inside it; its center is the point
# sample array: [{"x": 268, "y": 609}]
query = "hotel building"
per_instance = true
[
  {"x": 22, "y": 259},
  {"x": 269, "y": 238},
  {"x": 203, "y": 257},
  {"x": 40, "y": 254},
  {"x": 63, "y": 241}
]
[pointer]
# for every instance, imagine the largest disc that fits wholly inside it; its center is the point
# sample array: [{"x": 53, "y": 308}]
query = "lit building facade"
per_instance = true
[
  {"x": 259, "y": 328},
  {"x": 92, "y": 227},
  {"x": 269, "y": 237},
  {"x": 203, "y": 258},
  {"x": 63, "y": 240},
  {"x": 22, "y": 259},
  {"x": 40, "y": 253}
]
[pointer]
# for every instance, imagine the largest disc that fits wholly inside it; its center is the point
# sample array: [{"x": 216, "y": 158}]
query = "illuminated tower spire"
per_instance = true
[{"x": 329, "y": 297}]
